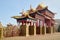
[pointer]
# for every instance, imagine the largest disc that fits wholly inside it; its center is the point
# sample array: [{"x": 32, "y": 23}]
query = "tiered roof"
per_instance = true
[{"x": 32, "y": 10}]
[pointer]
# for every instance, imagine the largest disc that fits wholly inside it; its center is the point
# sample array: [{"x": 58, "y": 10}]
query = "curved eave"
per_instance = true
[
  {"x": 50, "y": 11},
  {"x": 31, "y": 18},
  {"x": 18, "y": 17}
]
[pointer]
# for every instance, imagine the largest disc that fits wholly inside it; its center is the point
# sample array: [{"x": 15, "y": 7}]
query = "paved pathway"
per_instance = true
[{"x": 54, "y": 36}]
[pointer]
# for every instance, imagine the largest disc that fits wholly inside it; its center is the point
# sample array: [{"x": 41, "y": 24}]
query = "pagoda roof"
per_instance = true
[
  {"x": 17, "y": 17},
  {"x": 41, "y": 6},
  {"x": 32, "y": 10},
  {"x": 50, "y": 11},
  {"x": 21, "y": 17},
  {"x": 46, "y": 8}
]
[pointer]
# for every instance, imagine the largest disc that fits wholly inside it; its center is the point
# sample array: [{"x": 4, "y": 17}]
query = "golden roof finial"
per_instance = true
[
  {"x": 26, "y": 13},
  {"x": 42, "y": 5},
  {"x": 33, "y": 9}
]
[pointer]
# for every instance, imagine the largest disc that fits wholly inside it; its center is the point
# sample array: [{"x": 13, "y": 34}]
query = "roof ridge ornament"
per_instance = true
[
  {"x": 23, "y": 12},
  {"x": 42, "y": 5},
  {"x": 32, "y": 9}
]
